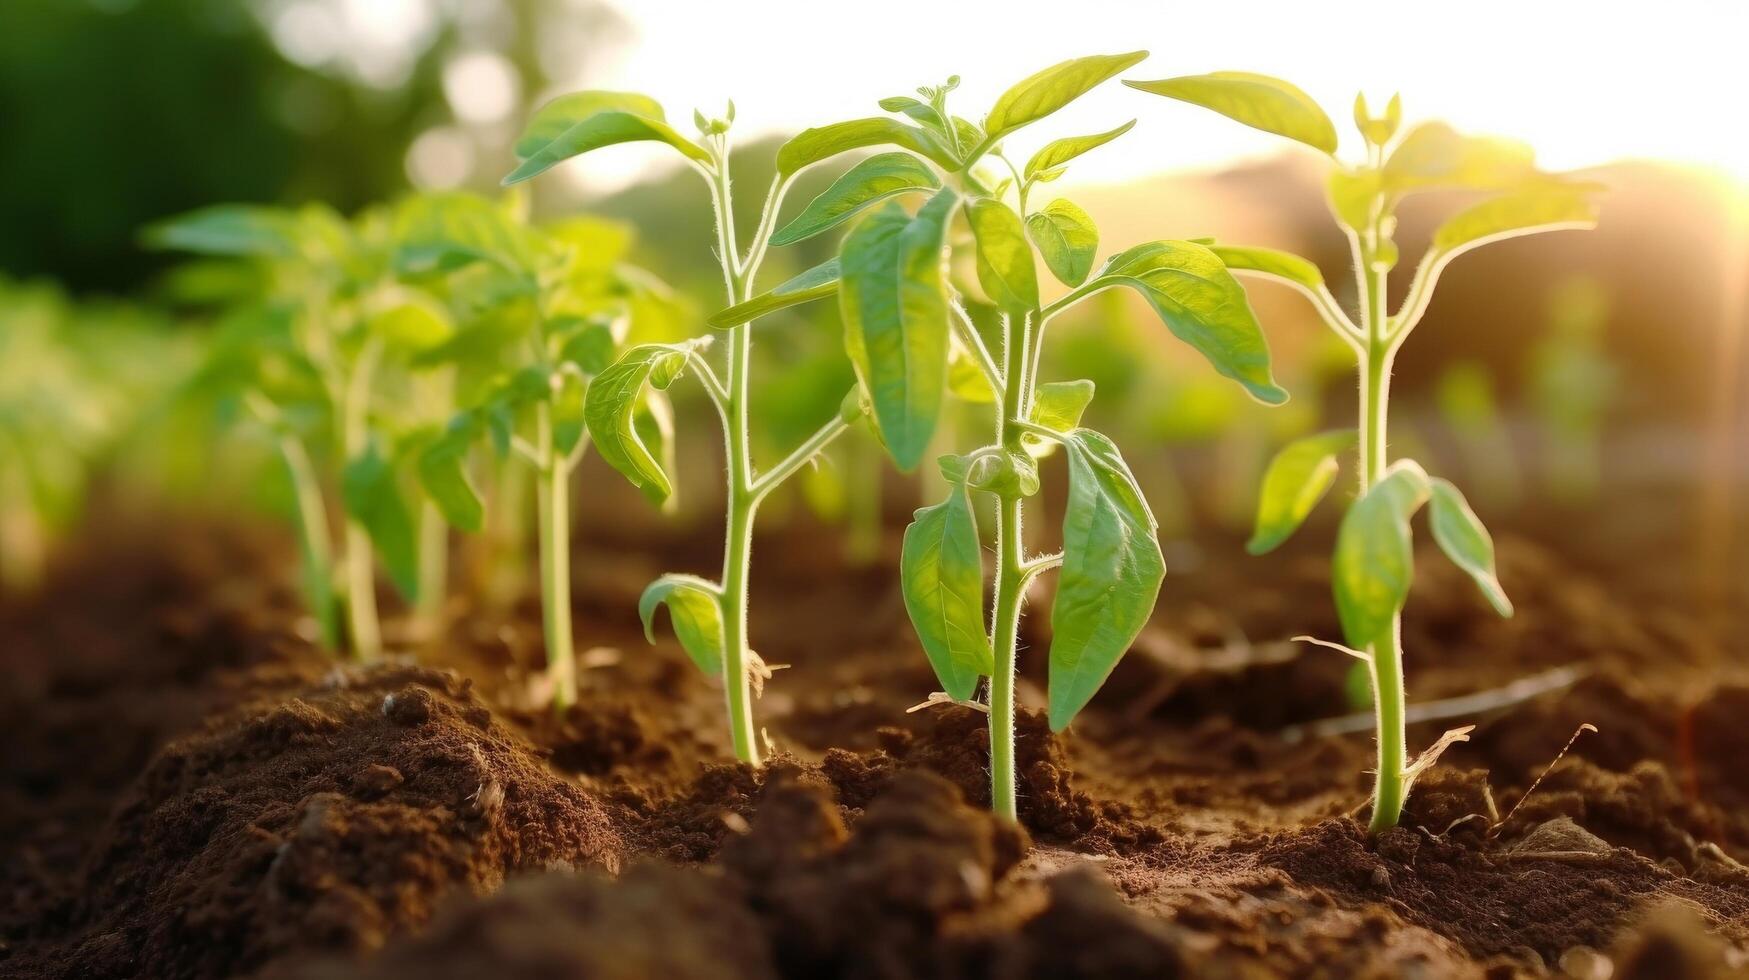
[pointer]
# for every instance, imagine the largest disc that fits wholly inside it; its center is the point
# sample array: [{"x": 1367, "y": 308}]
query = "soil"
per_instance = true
[{"x": 192, "y": 790}]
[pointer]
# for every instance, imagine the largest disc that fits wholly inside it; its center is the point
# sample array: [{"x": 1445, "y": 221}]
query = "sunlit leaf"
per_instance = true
[
  {"x": 1352, "y": 195},
  {"x": 817, "y": 283},
  {"x": 1375, "y": 560},
  {"x": 894, "y": 303},
  {"x": 1058, "y": 152},
  {"x": 1258, "y": 101},
  {"x": 1111, "y": 574},
  {"x": 229, "y": 229},
  {"x": 1549, "y": 208},
  {"x": 810, "y": 146},
  {"x": 413, "y": 325},
  {"x": 1058, "y": 406},
  {"x": 1466, "y": 542},
  {"x": 1066, "y": 240},
  {"x": 868, "y": 183},
  {"x": 1004, "y": 261},
  {"x": 603, "y": 129},
  {"x": 553, "y": 119},
  {"x": 1271, "y": 262},
  {"x": 1042, "y": 93},
  {"x": 941, "y": 574},
  {"x": 1297, "y": 478},
  {"x": 696, "y": 614},
  {"x": 611, "y": 407},
  {"x": 1433, "y": 155}
]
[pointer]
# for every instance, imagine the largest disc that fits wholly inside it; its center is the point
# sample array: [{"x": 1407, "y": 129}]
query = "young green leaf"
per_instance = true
[
  {"x": 1058, "y": 406},
  {"x": 868, "y": 183},
  {"x": 1111, "y": 575},
  {"x": 567, "y": 413},
  {"x": 589, "y": 344},
  {"x": 1042, "y": 93},
  {"x": 1066, "y": 240},
  {"x": 1191, "y": 290},
  {"x": 1297, "y": 478},
  {"x": 553, "y": 119},
  {"x": 810, "y": 146},
  {"x": 894, "y": 303},
  {"x": 443, "y": 474},
  {"x": 1054, "y": 154},
  {"x": 1000, "y": 471},
  {"x": 1004, "y": 260},
  {"x": 922, "y": 112},
  {"x": 603, "y": 129},
  {"x": 1434, "y": 155},
  {"x": 411, "y": 326},
  {"x": 1375, "y": 560},
  {"x": 228, "y": 229},
  {"x": 1258, "y": 101},
  {"x": 941, "y": 573},
  {"x": 965, "y": 378},
  {"x": 1550, "y": 208},
  {"x": 610, "y": 410},
  {"x": 1284, "y": 266},
  {"x": 696, "y": 612},
  {"x": 817, "y": 283},
  {"x": 1352, "y": 195},
  {"x": 372, "y": 496},
  {"x": 1466, "y": 542}
]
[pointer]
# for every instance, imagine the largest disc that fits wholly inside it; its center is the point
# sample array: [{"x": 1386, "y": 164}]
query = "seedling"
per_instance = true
[
  {"x": 911, "y": 339},
  {"x": 543, "y": 310},
  {"x": 1372, "y": 566}
]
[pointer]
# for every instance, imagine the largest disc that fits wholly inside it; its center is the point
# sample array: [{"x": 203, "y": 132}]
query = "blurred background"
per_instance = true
[{"x": 1596, "y": 374}]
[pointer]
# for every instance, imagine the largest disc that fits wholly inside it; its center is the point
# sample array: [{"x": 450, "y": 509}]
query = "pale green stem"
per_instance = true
[
  {"x": 1011, "y": 571},
  {"x": 313, "y": 540},
  {"x": 553, "y": 504},
  {"x": 433, "y": 569},
  {"x": 361, "y": 596}
]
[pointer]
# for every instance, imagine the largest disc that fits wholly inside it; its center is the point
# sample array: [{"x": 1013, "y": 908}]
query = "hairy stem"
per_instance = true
[
  {"x": 1011, "y": 572},
  {"x": 553, "y": 504}
]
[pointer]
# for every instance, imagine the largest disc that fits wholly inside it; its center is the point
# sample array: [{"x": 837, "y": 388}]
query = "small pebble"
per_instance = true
[{"x": 409, "y": 706}]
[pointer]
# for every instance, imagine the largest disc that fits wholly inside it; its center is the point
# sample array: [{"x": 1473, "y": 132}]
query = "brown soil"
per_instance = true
[{"x": 192, "y": 791}]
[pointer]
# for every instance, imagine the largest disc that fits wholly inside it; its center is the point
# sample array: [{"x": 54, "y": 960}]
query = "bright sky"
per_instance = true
[{"x": 1586, "y": 83}]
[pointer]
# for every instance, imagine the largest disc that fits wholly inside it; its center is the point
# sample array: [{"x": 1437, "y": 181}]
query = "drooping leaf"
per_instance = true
[
  {"x": 1466, "y": 542},
  {"x": 1066, "y": 238},
  {"x": 1004, "y": 260},
  {"x": 1297, "y": 478},
  {"x": 1550, "y": 208},
  {"x": 1258, "y": 101},
  {"x": 611, "y": 406},
  {"x": 1191, "y": 290},
  {"x": 696, "y": 613},
  {"x": 941, "y": 573},
  {"x": 1375, "y": 560},
  {"x": 372, "y": 495},
  {"x": 868, "y": 183},
  {"x": 1111, "y": 574},
  {"x": 817, "y": 283},
  {"x": 1058, "y": 406},
  {"x": 894, "y": 302},
  {"x": 1285, "y": 266},
  {"x": 1044, "y": 92},
  {"x": 1057, "y": 152},
  {"x": 810, "y": 146},
  {"x": 553, "y": 119},
  {"x": 605, "y": 128},
  {"x": 443, "y": 473},
  {"x": 229, "y": 229}
]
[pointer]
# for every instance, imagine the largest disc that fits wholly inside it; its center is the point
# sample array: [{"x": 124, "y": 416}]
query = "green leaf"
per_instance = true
[
  {"x": 1285, "y": 266},
  {"x": 894, "y": 303},
  {"x": 1042, "y": 93},
  {"x": 414, "y": 325},
  {"x": 1551, "y": 208},
  {"x": 1433, "y": 155},
  {"x": 1191, "y": 290},
  {"x": 868, "y": 183},
  {"x": 965, "y": 378},
  {"x": 810, "y": 146},
  {"x": 696, "y": 612},
  {"x": 1258, "y": 101},
  {"x": 941, "y": 573},
  {"x": 610, "y": 410},
  {"x": 1111, "y": 575},
  {"x": 1352, "y": 195},
  {"x": 997, "y": 470},
  {"x": 603, "y": 129},
  {"x": 1297, "y": 478},
  {"x": 1058, "y": 406},
  {"x": 567, "y": 413},
  {"x": 443, "y": 473},
  {"x": 1066, "y": 240},
  {"x": 589, "y": 345},
  {"x": 1054, "y": 154},
  {"x": 436, "y": 233},
  {"x": 552, "y": 120},
  {"x": 923, "y": 112},
  {"x": 1466, "y": 542},
  {"x": 372, "y": 496},
  {"x": 817, "y": 283},
  {"x": 229, "y": 229},
  {"x": 1375, "y": 560},
  {"x": 1004, "y": 260}
]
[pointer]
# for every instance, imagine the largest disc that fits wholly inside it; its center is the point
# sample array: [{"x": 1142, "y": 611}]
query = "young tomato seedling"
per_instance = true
[
  {"x": 905, "y": 321},
  {"x": 1372, "y": 566}
]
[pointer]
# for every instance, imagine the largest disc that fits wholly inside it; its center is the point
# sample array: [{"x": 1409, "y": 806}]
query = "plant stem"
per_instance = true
[
  {"x": 1011, "y": 574},
  {"x": 738, "y": 554},
  {"x": 313, "y": 540},
  {"x": 553, "y": 503},
  {"x": 433, "y": 569},
  {"x": 361, "y": 595}
]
